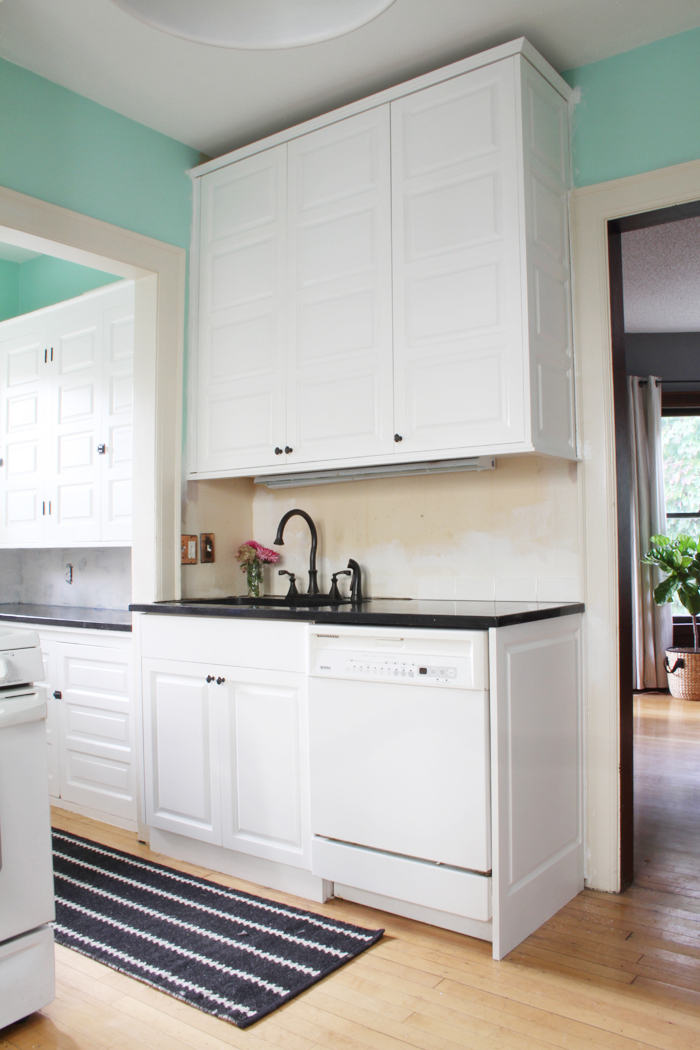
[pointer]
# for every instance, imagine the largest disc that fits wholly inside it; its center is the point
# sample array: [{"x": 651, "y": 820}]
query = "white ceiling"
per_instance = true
[
  {"x": 216, "y": 99},
  {"x": 661, "y": 278}
]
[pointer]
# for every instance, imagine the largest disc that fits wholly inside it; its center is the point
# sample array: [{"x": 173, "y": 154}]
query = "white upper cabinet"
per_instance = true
[
  {"x": 391, "y": 281},
  {"x": 66, "y": 405},
  {"x": 458, "y": 350},
  {"x": 339, "y": 381},
  {"x": 241, "y": 374}
]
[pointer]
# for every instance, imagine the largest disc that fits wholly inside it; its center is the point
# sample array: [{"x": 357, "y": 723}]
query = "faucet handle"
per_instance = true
[
  {"x": 292, "y": 592},
  {"x": 334, "y": 593}
]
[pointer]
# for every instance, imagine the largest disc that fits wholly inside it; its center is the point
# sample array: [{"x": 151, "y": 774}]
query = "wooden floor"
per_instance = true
[{"x": 619, "y": 972}]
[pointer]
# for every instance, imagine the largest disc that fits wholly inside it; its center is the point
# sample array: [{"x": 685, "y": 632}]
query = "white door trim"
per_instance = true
[
  {"x": 591, "y": 208},
  {"x": 159, "y": 272}
]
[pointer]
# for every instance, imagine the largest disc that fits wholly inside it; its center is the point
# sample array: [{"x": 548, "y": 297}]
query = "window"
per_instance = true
[{"x": 680, "y": 438}]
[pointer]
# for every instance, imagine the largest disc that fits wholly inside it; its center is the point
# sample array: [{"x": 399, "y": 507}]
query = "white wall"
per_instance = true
[
  {"x": 514, "y": 532},
  {"x": 101, "y": 576}
]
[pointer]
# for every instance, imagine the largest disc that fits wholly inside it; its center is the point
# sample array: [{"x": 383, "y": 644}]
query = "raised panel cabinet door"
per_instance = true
[
  {"x": 24, "y": 352},
  {"x": 181, "y": 749},
  {"x": 97, "y": 727},
  {"x": 339, "y": 386},
  {"x": 457, "y": 236},
  {"x": 74, "y": 424},
  {"x": 116, "y": 417},
  {"x": 242, "y": 327},
  {"x": 263, "y": 765}
]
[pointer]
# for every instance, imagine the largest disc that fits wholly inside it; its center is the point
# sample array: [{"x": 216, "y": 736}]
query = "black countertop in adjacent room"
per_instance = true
[
  {"x": 384, "y": 612},
  {"x": 66, "y": 616}
]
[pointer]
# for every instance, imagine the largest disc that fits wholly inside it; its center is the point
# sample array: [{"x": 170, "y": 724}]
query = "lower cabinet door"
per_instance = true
[
  {"x": 181, "y": 749},
  {"x": 264, "y": 763},
  {"x": 48, "y": 647},
  {"x": 96, "y": 727}
]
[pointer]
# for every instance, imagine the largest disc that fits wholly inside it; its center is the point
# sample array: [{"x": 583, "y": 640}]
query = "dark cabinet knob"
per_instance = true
[
  {"x": 220, "y": 681},
  {"x": 287, "y": 449},
  {"x": 397, "y": 437},
  {"x": 210, "y": 678},
  {"x": 278, "y": 451},
  {"x": 57, "y": 694},
  {"x": 101, "y": 449}
]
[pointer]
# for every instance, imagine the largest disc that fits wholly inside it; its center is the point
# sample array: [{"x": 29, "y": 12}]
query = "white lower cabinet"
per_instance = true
[
  {"x": 225, "y": 746},
  {"x": 91, "y": 722}
]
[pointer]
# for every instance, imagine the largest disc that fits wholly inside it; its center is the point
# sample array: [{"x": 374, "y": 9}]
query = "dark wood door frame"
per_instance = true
[{"x": 616, "y": 228}]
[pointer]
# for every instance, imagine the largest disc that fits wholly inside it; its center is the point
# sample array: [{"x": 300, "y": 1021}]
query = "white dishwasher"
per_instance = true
[{"x": 399, "y": 764}]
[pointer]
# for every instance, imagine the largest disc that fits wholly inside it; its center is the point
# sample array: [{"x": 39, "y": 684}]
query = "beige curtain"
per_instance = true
[{"x": 653, "y": 624}]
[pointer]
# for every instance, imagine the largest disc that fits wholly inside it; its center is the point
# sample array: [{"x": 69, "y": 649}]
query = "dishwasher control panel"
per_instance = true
[{"x": 383, "y": 667}]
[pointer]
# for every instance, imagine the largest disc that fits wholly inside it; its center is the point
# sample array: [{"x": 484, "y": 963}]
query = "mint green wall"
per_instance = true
[
  {"x": 638, "y": 111},
  {"x": 9, "y": 289},
  {"x": 63, "y": 148},
  {"x": 44, "y": 281}
]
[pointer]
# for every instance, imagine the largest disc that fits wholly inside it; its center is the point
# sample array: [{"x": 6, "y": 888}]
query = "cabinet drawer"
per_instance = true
[{"x": 217, "y": 640}]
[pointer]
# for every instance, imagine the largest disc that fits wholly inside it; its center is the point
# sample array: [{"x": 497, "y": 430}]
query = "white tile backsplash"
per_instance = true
[
  {"x": 568, "y": 589},
  {"x": 513, "y": 589},
  {"x": 437, "y": 588},
  {"x": 475, "y": 589},
  {"x": 101, "y": 576}
]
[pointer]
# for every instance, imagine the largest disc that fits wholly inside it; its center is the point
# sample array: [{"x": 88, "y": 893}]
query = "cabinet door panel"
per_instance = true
[
  {"x": 261, "y": 763},
  {"x": 52, "y": 736},
  {"x": 242, "y": 324},
  {"x": 339, "y": 387},
  {"x": 116, "y": 427},
  {"x": 458, "y": 347},
  {"x": 74, "y": 425},
  {"x": 96, "y": 727},
  {"x": 23, "y": 433},
  {"x": 181, "y": 750}
]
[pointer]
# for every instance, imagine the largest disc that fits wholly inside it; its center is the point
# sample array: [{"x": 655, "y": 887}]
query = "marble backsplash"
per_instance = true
[{"x": 101, "y": 577}]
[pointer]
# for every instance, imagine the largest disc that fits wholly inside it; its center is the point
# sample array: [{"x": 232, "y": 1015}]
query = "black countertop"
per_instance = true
[
  {"x": 66, "y": 616},
  {"x": 384, "y": 612}
]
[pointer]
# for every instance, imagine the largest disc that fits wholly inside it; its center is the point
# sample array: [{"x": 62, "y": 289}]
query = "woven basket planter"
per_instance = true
[{"x": 683, "y": 669}]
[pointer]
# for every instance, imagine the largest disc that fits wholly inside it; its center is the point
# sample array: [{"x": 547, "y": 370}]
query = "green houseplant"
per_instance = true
[{"x": 679, "y": 559}]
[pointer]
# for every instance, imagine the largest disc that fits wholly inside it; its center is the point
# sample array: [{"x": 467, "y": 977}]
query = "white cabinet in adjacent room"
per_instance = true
[
  {"x": 91, "y": 723},
  {"x": 390, "y": 282},
  {"x": 66, "y": 404}
]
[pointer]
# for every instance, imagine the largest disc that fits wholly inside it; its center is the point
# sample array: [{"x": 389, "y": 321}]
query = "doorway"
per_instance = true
[{"x": 671, "y": 351}]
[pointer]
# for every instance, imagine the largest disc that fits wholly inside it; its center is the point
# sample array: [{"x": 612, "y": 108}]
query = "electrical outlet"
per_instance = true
[
  {"x": 188, "y": 550},
  {"x": 206, "y": 547}
]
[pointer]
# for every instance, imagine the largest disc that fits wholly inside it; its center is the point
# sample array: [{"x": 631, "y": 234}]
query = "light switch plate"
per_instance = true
[
  {"x": 206, "y": 547},
  {"x": 188, "y": 550}
]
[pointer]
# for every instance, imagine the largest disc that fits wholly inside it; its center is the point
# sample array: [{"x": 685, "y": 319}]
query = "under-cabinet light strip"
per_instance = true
[{"x": 389, "y": 470}]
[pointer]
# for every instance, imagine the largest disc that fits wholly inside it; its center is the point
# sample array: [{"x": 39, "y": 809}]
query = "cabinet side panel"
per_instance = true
[
  {"x": 547, "y": 180},
  {"x": 537, "y": 775}
]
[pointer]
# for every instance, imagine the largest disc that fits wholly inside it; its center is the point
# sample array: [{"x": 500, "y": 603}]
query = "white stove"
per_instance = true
[{"x": 26, "y": 871}]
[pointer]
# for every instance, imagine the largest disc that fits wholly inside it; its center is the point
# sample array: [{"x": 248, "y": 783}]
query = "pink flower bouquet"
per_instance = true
[{"x": 252, "y": 556}]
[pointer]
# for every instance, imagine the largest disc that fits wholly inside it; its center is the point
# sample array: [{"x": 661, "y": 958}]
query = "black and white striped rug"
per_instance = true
[{"x": 231, "y": 954}]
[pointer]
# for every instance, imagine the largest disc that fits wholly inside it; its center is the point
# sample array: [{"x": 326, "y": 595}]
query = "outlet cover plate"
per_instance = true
[{"x": 188, "y": 550}]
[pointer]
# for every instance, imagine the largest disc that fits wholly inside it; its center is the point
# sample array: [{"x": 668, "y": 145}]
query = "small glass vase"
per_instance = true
[{"x": 254, "y": 574}]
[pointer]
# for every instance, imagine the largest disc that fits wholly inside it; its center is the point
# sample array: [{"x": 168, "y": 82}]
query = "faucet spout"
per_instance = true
[{"x": 279, "y": 542}]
